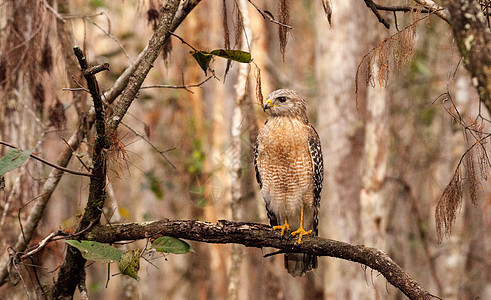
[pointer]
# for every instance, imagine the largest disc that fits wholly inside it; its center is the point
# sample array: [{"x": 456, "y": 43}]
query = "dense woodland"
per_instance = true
[{"x": 399, "y": 92}]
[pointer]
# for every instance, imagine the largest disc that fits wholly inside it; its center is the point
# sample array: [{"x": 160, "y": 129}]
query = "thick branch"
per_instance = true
[
  {"x": 473, "y": 37},
  {"x": 72, "y": 269},
  {"x": 259, "y": 235}
]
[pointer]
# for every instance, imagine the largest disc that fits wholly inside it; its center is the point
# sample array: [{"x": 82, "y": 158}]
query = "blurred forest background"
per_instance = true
[{"x": 389, "y": 150}]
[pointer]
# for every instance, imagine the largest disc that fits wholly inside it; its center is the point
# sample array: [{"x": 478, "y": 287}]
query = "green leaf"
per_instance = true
[
  {"x": 97, "y": 251},
  {"x": 14, "y": 159},
  {"x": 203, "y": 59},
  {"x": 130, "y": 263},
  {"x": 235, "y": 55},
  {"x": 171, "y": 245}
]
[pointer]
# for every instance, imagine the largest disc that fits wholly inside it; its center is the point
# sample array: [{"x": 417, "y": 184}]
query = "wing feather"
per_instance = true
[{"x": 318, "y": 172}]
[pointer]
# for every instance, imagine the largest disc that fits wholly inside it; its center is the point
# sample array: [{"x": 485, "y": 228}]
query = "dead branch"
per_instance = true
[
  {"x": 72, "y": 270},
  {"x": 373, "y": 7},
  {"x": 260, "y": 236},
  {"x": 268, "y": 15}
]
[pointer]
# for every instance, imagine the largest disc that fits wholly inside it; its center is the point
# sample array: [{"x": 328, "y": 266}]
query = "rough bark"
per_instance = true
[{"x": 473, "y": 36}]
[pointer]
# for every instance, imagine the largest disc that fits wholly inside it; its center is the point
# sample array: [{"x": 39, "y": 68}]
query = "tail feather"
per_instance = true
[{"x": 298, "y": 264}]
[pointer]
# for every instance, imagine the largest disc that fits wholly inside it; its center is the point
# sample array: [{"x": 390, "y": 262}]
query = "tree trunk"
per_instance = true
[{"x": 339, "y": 49}]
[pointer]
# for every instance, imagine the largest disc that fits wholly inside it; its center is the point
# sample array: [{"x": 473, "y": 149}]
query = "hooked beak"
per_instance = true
[{"x": 267, "y": 105}]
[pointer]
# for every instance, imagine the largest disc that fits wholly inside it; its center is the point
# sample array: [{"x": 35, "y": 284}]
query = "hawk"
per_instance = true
[{"x": 289, "y": 169}]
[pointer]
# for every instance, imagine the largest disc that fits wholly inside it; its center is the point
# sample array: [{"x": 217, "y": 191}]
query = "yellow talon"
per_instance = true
[
  {"x": 285, "y": 227},
  {"x": 301, "y": 232}
]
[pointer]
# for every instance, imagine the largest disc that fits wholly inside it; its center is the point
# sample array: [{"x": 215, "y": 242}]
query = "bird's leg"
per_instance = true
[
  {"x": 285, "y": 227},
  {"x": 301, "y": 231}
]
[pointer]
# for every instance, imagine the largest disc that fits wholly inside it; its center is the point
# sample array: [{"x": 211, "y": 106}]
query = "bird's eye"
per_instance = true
[{"x": 282, "y": 99}]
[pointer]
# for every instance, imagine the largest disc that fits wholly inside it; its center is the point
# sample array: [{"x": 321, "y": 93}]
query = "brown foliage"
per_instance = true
[
  {"x": 284, "y": 17},
  {"x": 449, "y": 203},
  {"x": 399, "y": 47}
]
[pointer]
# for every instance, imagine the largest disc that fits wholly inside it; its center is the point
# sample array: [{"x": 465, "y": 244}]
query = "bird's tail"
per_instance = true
[{"x": 298, "y": 264}]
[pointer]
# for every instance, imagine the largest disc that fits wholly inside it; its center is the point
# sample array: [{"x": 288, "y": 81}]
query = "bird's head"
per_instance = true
[{"x": 286, "y": 103}]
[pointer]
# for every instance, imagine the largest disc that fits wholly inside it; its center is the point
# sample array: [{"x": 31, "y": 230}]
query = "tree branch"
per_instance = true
[
  {"x": 473, "y": 37},
  {"x": 259, "y": 236},
  {"x": 373, "y": 7},
  {"x": 72, "y": 270}
]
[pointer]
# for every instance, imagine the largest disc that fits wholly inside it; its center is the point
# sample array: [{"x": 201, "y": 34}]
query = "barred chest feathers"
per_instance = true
[{"x": 286, "y": 170}]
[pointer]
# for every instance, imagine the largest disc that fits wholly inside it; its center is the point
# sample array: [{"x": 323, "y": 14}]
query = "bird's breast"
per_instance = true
[{"x": 284, "y": 162}]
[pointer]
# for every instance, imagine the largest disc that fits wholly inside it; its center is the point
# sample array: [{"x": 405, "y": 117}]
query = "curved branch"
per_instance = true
[{"x": 259, "y": 236}]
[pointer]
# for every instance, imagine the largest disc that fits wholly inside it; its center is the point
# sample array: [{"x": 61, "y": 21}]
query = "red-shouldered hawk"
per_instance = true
[{"x": 289, "y": 170}]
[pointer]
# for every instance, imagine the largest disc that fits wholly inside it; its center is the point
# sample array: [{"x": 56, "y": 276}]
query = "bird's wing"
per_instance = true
[
  {"x": 318, "y": 172},
  {"x": 256, "y": 154}
]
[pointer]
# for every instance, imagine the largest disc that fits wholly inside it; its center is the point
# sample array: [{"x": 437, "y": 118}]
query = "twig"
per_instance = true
[
  {"x": 77, "y": 156},
  {"x": 184, "y": 42},
  {"x": 96, "y": 69},
  {"x": 150, "y": 143},
  {"x": 80, "y": 16},
  {"x": 49, "y": 163},
  {"x": 40, "y": 246},
  {"x": 400, "y": 8},
  {"x": 53, "y": 11},
  {"x": 268, "y": 15},
  {"x": 186, "y": 86},
  {"x": 373, "y": 7}
]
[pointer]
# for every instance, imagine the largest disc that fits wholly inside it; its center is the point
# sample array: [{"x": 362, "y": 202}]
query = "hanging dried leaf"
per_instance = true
[
  {"x": 383, "y": 63},
  {"x": 470, "y": 174},
  {"x": 226, "y": 35},
  {"x": 449, "y": 203},
  {"x": 259, "y": 92},
  {"x": 284, "y": 18},
  {"x": 327, "y": 9},
  {"x": 226, "y": 32},
  {"x": 153, "y": 15},
  {"x": 166, "y": 49},
  {"x": 238, "y": 26}
]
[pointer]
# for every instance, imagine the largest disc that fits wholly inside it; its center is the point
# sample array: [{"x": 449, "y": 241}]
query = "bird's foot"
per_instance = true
[
  {"x": 284, "y": 228},
  {"x": 301, "y": 232}
]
